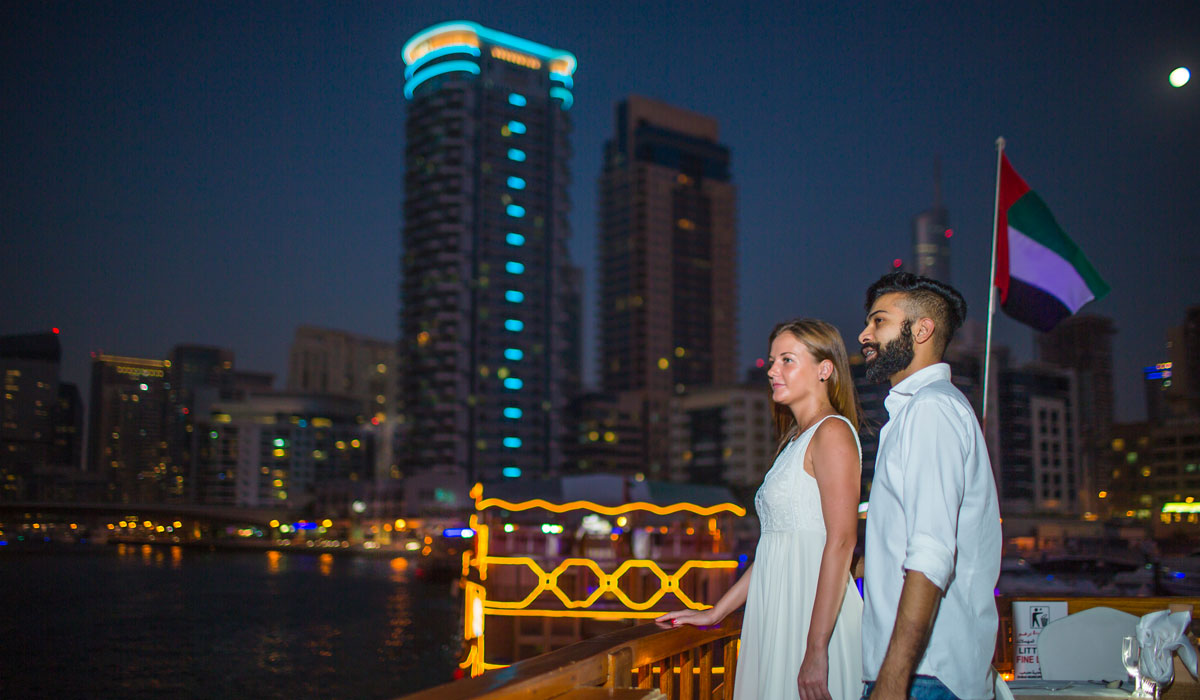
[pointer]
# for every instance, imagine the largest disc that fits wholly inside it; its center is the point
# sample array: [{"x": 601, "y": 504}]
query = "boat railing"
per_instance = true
[
  {"x": 645, "y": 661},
  {"x": 689, "y": 663}
]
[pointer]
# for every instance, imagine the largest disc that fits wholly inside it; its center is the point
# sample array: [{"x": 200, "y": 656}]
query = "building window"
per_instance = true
[
  {"x": 514, "y": 268},
  {"x": 514, "y": 239},
  {"x": 515, "y": 210},
  {"x": 514, "y": 296},
  {"x": 517, "y": 100},
  {"x": 516, "y": 127},
  {"x": 513, "y": 354},
  {"x": 516, "y": 183},
  {"x": 514, "y": 325},
  {"x": 516, "y": 154}
]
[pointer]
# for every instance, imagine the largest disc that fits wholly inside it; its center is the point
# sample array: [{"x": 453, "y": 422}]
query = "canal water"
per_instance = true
[{"x": 132, "y": 621}]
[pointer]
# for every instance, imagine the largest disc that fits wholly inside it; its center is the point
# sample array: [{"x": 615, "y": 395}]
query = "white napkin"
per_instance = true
[{"x": 1160, "y": 634}]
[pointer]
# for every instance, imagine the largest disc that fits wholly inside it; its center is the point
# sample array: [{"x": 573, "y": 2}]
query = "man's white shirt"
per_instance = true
[{"x": 933, "y": 509}]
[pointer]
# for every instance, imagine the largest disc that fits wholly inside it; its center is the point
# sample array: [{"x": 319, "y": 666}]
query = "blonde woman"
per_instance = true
[{"x": 800, "y": 631}]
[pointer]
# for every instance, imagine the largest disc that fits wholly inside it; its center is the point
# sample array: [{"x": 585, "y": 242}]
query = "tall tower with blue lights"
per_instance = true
[{"x": 489, "y": 342}]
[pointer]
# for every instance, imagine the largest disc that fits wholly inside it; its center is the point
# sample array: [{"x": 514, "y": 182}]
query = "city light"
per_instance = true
[{"x": 1180, "y": 77}]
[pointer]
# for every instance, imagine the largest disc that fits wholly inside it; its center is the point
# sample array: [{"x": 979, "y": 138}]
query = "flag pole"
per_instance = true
[{"x": 987, "y": 343}]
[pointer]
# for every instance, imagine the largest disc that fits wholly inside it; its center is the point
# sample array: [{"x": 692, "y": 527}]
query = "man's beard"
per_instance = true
[{"x": 894, "y": 357}]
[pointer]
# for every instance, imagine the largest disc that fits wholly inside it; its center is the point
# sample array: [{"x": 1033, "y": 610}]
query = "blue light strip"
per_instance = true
[
  {"x": 516, "y": 183},
  {"x": 514, "y": 268},
  {"x": 513, "y": 296},
  {"x": 516, "y": 127},
  {"x": 516, "y": 154},
  {"x": 513, "y": 383},
  {"x": 513, "y": 354},
  {"x": 438, "y": 53},
  {"x": 512, "y": 413},
  {"x": 514, "y": 325},
  {"x": 436, "y": 70},
  {"x": 566, "y": 80},
  {"x": 517, "y": 100},
  {"x": 491, "y": 36},
  {"x": 514, "y": 239},
  {"x": 512, "y": 443},
  {"x": 511, "y": 472},
  {"x": 564, "y": 95},
  {"x": 516, "y": 211}
]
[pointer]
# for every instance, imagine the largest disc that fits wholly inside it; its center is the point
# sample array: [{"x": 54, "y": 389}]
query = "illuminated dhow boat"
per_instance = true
[{"x": 559, "y": 561}]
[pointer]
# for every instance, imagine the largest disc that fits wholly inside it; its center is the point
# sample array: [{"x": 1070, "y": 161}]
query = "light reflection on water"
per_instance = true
[{"x": 155, "y": 622}]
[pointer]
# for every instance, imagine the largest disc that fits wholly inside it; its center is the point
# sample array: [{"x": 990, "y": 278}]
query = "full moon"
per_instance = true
[{"x": 1180, "y": 76}]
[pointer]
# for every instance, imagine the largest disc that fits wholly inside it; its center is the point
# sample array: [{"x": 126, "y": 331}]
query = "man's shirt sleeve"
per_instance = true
[{"x": 934, "y": 483}]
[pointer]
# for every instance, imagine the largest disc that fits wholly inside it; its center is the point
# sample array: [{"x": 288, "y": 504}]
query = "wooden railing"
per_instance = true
[
  {"x": 646, "y": 661},
  {"x": 686, "y": 663}
]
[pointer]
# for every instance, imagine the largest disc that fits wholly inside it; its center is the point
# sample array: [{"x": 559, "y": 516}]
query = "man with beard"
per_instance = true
[{"x": 933, "y": 523}]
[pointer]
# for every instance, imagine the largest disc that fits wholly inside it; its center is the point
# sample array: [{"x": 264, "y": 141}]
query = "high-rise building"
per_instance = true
[
  {"x": 489, "y": 313},
  {"x": 668, "y": 261},
  {"x": 668, "y": 279},
  {"x": 931, "y": 235},
  {"x": 1189, "y": 357},
  {"x": 199, "y": 375},
  {"x": 1182, "y": 392},
  {"x": 1157, "y": 380},
  {"x": 1039, "y": 447},
  {"x": 330, "y": 362},
  {"x": 277, "y": 449},
  {"x": 722, "y": 435},
  {"x": 1084, "y": 343},
  {"x": 127, "y": 442},
  {"x": 606, "y": 435},
  {"x": 30, "y": 365}
]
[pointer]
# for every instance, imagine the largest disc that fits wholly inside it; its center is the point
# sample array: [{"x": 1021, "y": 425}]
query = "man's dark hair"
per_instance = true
[{"x": 925, "y": 297}]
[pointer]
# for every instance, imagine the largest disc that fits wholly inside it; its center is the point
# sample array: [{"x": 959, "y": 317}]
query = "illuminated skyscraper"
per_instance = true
[
  {"x": 931, "y": 235},
  {"x": 489, "y": 323},
  {"x": 668, "y": 261},
  {"x": 126, "y": 437}
]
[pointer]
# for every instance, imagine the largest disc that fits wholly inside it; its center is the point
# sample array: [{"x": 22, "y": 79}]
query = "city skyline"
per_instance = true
[{"x": 236, "y": 170}]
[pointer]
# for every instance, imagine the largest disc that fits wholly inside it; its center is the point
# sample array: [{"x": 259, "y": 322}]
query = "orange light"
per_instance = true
[{"x": 482, "y": 503}]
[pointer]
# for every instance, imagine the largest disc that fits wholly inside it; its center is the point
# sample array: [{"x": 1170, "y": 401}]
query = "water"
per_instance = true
[{"x": 168, "y": 622}]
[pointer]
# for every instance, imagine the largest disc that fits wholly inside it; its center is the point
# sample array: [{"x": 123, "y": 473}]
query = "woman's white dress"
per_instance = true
[{"x": 783, "y": 585}]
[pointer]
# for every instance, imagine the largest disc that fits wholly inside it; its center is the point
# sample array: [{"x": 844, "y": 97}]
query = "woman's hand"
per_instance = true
[
  {"x": 698, "y": 618},
  {"x": 813, "y": 679}
]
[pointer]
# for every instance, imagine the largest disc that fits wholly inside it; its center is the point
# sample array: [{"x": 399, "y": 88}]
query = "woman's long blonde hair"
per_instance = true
[{"x": 824, "y": 342}]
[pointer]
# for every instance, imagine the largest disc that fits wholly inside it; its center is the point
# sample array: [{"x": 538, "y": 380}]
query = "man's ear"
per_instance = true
[{"x": 923, "y": 333}]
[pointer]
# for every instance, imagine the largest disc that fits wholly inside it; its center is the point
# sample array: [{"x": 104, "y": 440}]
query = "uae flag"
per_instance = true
[{"x": 1043, "y": 277}]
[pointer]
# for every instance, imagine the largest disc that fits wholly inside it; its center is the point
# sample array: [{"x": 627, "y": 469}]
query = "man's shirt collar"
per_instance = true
[{"x": 898, "y": 397}]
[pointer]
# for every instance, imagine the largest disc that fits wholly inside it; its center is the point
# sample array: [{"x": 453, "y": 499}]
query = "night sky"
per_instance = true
[{"x": 221, "y": 173}]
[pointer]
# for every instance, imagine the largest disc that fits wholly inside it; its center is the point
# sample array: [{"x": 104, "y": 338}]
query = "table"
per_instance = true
[{"x": 1048, "y": 690}]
